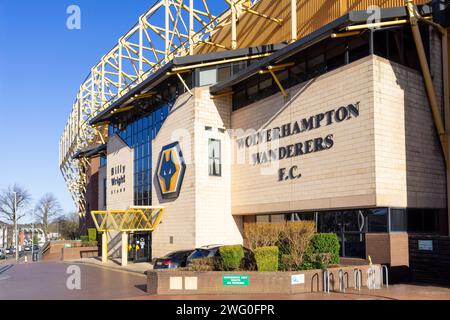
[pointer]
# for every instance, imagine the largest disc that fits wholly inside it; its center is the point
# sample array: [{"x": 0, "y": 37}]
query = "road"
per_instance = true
[{"x": 48, "y": 281}]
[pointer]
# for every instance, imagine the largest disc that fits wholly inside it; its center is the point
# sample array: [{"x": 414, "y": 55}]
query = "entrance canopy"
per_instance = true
[{"x": 135, "y": 218}]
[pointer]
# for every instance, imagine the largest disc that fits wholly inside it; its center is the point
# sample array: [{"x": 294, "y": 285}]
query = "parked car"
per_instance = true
[
  {"x": 213, "y": 251},
  {"x": 175, "y": 259},
  {"x": 10, "y": 250}
]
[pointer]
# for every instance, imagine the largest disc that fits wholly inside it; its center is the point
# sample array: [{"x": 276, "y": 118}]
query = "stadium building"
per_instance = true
[{"x": 340, "y": 115}]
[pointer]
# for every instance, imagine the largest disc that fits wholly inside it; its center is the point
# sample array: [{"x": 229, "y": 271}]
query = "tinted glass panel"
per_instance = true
[
  {"x": 377, "y": 220},
  {"x": 399, "y": 220}
]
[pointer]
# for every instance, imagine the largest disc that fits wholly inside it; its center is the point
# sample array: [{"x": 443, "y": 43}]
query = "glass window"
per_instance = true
[
  {"x": 223, "y": 73},
  {"x": 423, "y": 221},
  {"x": 263, "y": 218},
  {"x": 104, "y": 192},
  {"x": 300, "y": 216},
  {"x": 207, "y": 77},
  {"x": 238, "y": 66},
  {"x": 354, "y": 244},
  {"x": 329, "y": 222},
  {"x": 103, "y": 161},
  {"x": 377, "y": 220},
  {"x": 399, "y": 220},
  {"x": 214, "y": 157}
]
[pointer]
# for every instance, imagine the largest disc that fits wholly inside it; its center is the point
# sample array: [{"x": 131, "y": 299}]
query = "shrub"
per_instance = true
[
  {"x": 267, "y": 258},
  {"x": 89, "y": 243},
  {"x": 326, "y": 244},
  {"x": 203, "y": 264},
  {"x": 249, "y": 262},
  {"x": 92, "y": 234},
  {"x": 262, "y": 234},
  {"x": 296, "y": 236},
  {"x": 231, "y": 257},
  {"x": 84, "y": 238}
]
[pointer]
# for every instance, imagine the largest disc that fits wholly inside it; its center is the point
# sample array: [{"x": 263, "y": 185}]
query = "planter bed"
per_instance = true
[{"x": 222, "y": 282}]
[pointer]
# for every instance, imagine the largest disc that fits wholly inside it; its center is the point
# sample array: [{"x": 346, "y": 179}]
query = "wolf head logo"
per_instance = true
[{"x": 168, "y": 169}]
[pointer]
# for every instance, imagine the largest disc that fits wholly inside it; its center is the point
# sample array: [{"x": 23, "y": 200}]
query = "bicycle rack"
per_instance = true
[
  {"x": 384, "y": 269},
  {"x": 326, "y": 281},
  {"x": 357, "y": 275},
  {"x": 371, "y": 278},
  {"x": 342, "y": 280}
]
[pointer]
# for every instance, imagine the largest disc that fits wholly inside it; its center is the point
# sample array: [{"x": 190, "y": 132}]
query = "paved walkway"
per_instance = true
[
  {"x": 54, "y": 281},
  {"x": 115, "y": 264},
  {"x": 394, "y": 292},
  {"x": 49, "y": 280}
]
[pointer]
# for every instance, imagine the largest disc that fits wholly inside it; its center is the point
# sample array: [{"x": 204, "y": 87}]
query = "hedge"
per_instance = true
[
  {"x": 326, "y": 243},
  {"x": 231, "y": 257},
  {"x": 92, "y": 234},
  {"x": 267, "y": 258}
]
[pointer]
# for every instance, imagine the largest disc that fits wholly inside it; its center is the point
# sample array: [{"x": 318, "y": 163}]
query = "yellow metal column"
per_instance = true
[
  {"x": 104, "y": 247},
  {"x": 124, "y": 255}
]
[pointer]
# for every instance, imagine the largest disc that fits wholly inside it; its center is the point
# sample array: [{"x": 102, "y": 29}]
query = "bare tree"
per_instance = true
[
  {"x": 12, "y": 200},
  {"x": 47, "y": 210},
  {"x": 68, "y": 226}
]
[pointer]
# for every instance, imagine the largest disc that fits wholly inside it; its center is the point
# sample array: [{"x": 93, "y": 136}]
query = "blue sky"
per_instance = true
[{"x": 42, "y": 64}]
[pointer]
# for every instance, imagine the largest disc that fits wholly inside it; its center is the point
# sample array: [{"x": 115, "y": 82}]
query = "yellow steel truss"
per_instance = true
[
  {"x": 170, "y": 28},
  {"x": 143, "y": 218}
]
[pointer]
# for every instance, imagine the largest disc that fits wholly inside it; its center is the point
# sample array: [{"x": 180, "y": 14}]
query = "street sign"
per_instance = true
[
  {"x": 235, "y": 280},
  {"x": 297, "y": 279}
]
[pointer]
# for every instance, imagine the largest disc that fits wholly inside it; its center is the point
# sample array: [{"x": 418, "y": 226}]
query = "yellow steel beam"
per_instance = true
[
  {"x": 345, "y": 34},
  {"x": 115, "y": 111},
  {"x": 426, "y": 74},
  {"x": 130, "y": 220},
  {"x": 221, "y": 95}
]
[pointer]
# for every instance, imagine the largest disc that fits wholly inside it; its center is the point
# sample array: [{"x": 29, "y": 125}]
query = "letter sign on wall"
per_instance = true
[{"x": 170, "y": 171}]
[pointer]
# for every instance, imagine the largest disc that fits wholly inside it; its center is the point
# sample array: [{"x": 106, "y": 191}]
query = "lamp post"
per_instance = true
[
  {"x": 32, "y": 238},
  {"x": 16, "y": 236}
]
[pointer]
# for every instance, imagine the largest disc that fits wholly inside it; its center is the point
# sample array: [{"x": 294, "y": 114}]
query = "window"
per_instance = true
[
  {"x": 399, "y": 220},
  {"x": 214, "y": 157},
  {"x": 395, "y": 44},
  {"x": 377, "y": 220},
  {"x": 104, "y": 192},
  {"x": 423, "y": 221},
  {"x": 138, "y": 132},
  {"x": 103, "y": 161},
  {"x": 207, "y": 77}
]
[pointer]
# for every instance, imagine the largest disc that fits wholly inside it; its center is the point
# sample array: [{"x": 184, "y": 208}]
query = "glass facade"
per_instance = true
[
  {"x": 138, "y": 133},
  {"x": 395, "y": 44},
  {"x": 351, "y": 226}
]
